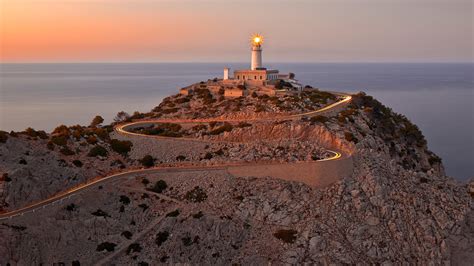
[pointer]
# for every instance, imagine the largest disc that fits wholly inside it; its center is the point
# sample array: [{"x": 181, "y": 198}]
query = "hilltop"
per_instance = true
[{"x": 377, "y": 193}]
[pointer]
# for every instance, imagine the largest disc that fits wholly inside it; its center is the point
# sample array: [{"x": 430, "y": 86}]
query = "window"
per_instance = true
[
  {"x": 243, "y": 77},
  {"x": 238, "y": 76},
  {"x": 260, "y": 77},
  {"x": 255, "y": 77}
]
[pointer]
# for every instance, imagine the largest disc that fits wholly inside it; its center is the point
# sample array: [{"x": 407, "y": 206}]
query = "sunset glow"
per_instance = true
[{"x": 164, "y": 30}]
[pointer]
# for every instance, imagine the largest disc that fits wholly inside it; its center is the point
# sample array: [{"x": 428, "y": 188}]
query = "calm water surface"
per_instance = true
[{"x": 437, "y": 97}]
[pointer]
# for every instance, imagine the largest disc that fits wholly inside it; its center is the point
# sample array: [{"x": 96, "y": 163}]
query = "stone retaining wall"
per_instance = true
[{"x": 314, "y": 174}]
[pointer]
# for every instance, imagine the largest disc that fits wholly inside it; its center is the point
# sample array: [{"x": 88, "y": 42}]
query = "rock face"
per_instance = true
[{"x": 398, "y": 207}]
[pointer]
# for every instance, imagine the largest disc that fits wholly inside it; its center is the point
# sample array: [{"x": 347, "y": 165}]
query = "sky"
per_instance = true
[{"x": 219, "y": 30}]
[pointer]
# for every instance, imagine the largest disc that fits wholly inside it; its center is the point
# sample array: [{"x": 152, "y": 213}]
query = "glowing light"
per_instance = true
[{"x": 257, "y": 39}]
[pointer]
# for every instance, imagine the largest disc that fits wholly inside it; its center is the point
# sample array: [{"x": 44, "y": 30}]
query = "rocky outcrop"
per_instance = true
[{"x": 287, "y": 130}]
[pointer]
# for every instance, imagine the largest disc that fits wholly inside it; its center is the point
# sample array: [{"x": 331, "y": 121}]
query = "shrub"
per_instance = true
[
  {"x": 59, "y": 140},
  {"x": 62, "y": 130},
  {"x": 145, "y": 181},
  {"x": 224, "y": 128},
  {"x": 208, "y": 156},
  {"x": 319, "y": 119},
  {"x": 97, "y": 121},
  {"x": 92, "y": 140},
  {"x": 119, "y": 146},
  {"x": 180, "y": 158},
  {"x": 350, "y": 137},
  {"x": 30, "y": 132},
  {"x": 5, "y": 177},
  {"x": 3, "y": 136},
  {"x": 287, "y": 236},
  {"x": 77, "y": 134},
  {"x": 147, "y": 161},
  {"x": 198, "y": 215},
  {"x": 97, "y": 151},
  {"x": 197, "y": 194},
  {"x": 161, "y": 237},
  {"x": 174, "y": 213},
  {"x": 187, "y": 241},
  {"x": 159, "y": 186},
  {"x": 121, "y": 117},
  {"x": 134, "y": 247},
  {"x": 100, "y": 213},
  {"x": 106, "y": 246},
  {"x": 50, "y": 145},
  {"x": 102, "y": 133},
  {"x": 137, "y": 115},
  {"x": 66, "y": 151},
  {"x": 434, "y": 160},
  {"x": 71, "y": 207},
  {"x": 127, "y": 234},
  {"x": 124, "y": 199},
  {"x": 243, "y": 124}
]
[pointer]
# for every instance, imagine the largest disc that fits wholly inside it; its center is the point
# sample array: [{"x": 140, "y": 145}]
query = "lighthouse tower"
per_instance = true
[
  {"x": 256, "y": 62},
  {"x": 257, "y": 75}
]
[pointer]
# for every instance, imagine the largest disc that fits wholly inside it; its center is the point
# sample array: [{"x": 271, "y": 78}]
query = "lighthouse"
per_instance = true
[
  {"x": 256, "y": 62},
  {"x": 257, "y": 75}
]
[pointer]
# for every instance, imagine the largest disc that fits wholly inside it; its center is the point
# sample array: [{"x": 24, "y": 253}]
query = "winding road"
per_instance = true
[{"x": 122, "y": 129}]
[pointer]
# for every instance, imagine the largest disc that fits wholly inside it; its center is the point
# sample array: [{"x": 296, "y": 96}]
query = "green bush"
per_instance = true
[
  {"x": 62, "y": 130},
  {"x": 124, "y": 199},
  {"x": 121, "y": 146},
  {"x": 97, "y": 121},
  {"x": 174, "y": 213},
  {"x": 161, "y": 237},
  {"x": 165, "y": 130},
  {"x": 197, "y": 194},
  {"x": 243, "y": 124},
  {"x": 77, "y": 163},
  {"x": 127, "y": 234},
  {"x": 148, "y": 161},
  {"x": 102, "y": 133},
  {"x": 66, "y": 151},
  {"x": 71, "y": 207},
  {"x": 319, "y": 119},
  {"x": 287, "y": 236},
  {"x": 433, "y": 160},
  {"x": 97, "y": 151},
  {"x": 180, "y": 158},
  {"x": 5, "y": 178},
  {"x": 198, "y": 215},
  {"x": 159, "y": 186},
  {"x": 91, "y": 140},
  {"x": 134, "y": 247},
  {"x": 106, "y": 246},
  {"x": 100, "y": 213},
  {"x": 208, "y": 156},
  {"x": 350, "y": 137},
  {"x": 59, "y": 140}
]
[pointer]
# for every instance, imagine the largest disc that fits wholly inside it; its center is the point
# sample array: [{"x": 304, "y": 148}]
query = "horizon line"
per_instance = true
[{"x": 240, "y": 62}]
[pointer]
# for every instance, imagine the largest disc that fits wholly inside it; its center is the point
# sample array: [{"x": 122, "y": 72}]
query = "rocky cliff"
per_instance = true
[{"x": 397, "y": 207}]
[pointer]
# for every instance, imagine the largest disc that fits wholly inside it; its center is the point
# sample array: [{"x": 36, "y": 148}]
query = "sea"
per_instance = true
[{"x": 438, "y": 97}]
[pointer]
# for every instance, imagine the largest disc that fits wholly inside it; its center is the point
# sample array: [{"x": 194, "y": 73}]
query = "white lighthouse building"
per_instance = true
[
  {"x": 256, "y": 62},
  {"x": 257, "y": 74}
]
